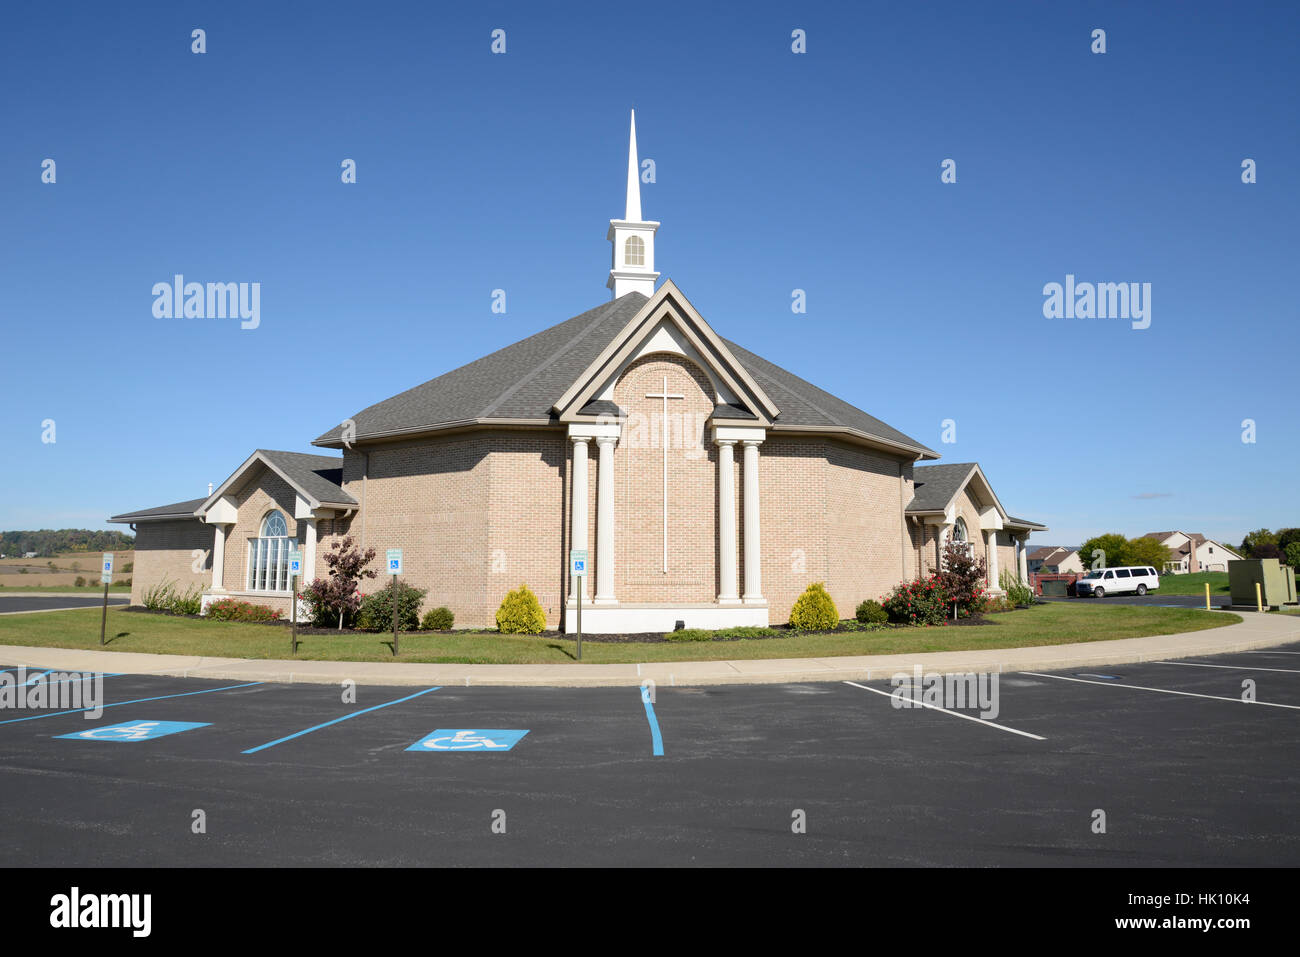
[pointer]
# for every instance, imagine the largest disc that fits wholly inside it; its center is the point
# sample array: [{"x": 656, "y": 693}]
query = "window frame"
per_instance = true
[{"x": 268, "y": 557}]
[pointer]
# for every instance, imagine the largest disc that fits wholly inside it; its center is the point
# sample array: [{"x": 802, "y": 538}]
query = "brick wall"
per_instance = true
[{"x": 164, "y": 551}]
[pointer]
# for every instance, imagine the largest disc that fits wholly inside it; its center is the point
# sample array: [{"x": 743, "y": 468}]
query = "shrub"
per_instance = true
[
  {"x": 335, "y": 600},
  {"x": 229, "y": 609},
  {"x": 160, "y": 596},
  {"x": 1017, "y": 594},
  {"x": 376, "y": 611},
  {"x": 920, "y": 602},
  {"x": 747, "y": 631},
  {"x": 690, "y": 634},
  {"x": 188, "y": 602},
  {"x": 80, "y": 582},
  {"x": 870, "y": 612},
  {"x": 738, "y": 631},
  {"x": 994, "y": 604},
  {"x": 814, "y": 610},
  {"x": 438, "y": 619},
  {"x": 521, "y": 613},
  {"x": 963, "y": 579}
]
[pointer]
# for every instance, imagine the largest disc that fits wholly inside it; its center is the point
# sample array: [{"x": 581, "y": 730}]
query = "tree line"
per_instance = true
[{"x": 47, "y": 542}]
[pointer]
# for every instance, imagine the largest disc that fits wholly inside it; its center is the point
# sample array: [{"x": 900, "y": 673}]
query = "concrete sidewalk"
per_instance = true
[{"x": 1256, "y": 631}]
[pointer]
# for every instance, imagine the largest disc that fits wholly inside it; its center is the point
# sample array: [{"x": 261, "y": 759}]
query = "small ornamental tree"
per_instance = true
[
  {"x": 963, "y": 578},
  {"x": 338, "y": 597}
]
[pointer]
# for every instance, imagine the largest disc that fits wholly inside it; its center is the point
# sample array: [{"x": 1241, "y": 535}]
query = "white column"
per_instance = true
[
  {"x": 727, "y": 581},
  {"x": 991, "y": 544},
  {"x": 605, "y": 520},
  {"x": 578, "y": 539},
  {"x": 1024, "y": 560},
  {"x": 753, "y": 547},
  {"x": 309, "y": 554},
  {"x": 218, "y": 557}
]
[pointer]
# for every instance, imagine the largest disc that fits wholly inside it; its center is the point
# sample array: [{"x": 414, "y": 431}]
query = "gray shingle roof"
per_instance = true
[
  {"x": 935, "y": 485},
  {"x": 320, "y": 476},
  {"x": 523, "y": 381},
  {"x": 162, "y": 512}
]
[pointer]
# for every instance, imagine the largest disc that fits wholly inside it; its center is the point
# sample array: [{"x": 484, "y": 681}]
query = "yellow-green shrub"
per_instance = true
[
  {"x": 521, "y": 613},
  {"x": 814, "y": 609}
]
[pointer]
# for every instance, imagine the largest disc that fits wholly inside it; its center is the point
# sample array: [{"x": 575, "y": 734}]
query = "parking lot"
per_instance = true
[{"x": 1185, "y": 772}]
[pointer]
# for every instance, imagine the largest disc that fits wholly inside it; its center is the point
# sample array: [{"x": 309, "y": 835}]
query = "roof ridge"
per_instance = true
[{"x": 569, "y": 344}]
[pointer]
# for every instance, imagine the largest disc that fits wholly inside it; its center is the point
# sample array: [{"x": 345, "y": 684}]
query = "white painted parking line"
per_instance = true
[
  {"x": 1197, "y": 664},
  {"x": 1187, "y": 694},
  {"x": 955, "y": 714}
]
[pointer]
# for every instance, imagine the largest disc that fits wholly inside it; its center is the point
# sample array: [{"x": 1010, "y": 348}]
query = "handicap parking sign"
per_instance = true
[
  {"x": 135, "y": 730},
  {"x": 469, "y": 739},
  {"x": 394, "y": 557}
]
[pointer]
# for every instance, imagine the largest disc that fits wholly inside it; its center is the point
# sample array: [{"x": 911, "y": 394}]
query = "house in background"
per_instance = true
[
  {"x": 1055, "y": 560},
  {"x": 1193, "y": 552}
]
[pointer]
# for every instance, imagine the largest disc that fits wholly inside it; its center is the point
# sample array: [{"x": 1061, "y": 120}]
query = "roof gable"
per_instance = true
[
  {"x": 316, "y": 478},
  {"x": 668, "y": 309}
]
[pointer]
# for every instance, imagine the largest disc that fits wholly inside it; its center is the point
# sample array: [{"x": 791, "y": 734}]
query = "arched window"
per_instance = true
[
  {"x": 959, "y": 531},
  {"x": 634, "y": 251},
  {"x": 268, "y": 555}
]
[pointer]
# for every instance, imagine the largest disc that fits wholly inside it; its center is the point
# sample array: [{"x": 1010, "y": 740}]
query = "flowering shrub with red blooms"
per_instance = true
[
  {"x": 228, "y": 609},
  {"x": 920, "y": 602}
]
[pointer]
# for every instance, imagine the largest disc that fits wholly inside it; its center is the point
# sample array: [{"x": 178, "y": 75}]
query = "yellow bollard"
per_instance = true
[
  {"x": 1207, "y": 596},
  {"x": 1259, "y": 599}
]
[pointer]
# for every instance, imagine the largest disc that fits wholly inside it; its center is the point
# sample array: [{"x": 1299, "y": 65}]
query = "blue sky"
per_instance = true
[{"x": 775, "y": 171}]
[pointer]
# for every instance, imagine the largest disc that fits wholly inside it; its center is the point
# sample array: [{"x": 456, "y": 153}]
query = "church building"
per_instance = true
[{"x": 708, "y": 485}]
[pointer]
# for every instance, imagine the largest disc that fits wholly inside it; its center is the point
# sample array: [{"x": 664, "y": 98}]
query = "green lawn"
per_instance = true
[
  {"x": 1194, "y": 584},
  {"x": 96, "y": 589},
  {"x": 1047, "y": 624}
]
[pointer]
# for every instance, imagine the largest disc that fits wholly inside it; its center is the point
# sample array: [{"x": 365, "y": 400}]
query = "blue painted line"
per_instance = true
[
  {"x": 118, "y": 704},
  {"x": 655, "y": 737},
  {"x": 299, "y": 734}
]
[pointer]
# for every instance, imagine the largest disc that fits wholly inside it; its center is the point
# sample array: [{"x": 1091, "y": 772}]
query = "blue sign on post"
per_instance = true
[
  {"x": 295, "y": 562},
  {"x": 106, "y": 569},
  {"x": 394, "y": 561},
  {"x": 478, "y": 740},
  {"x": 135, "y": 730}
]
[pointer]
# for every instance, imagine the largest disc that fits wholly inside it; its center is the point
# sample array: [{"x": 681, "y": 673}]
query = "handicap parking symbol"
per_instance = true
[
  {"x": 134, "y": 730},
  {"x": 469, "y": 739}
]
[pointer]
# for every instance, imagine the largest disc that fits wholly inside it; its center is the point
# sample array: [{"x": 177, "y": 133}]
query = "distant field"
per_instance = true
[
  {"x": 39, "y": 577},
  {"x": 1194, "y": 584}
]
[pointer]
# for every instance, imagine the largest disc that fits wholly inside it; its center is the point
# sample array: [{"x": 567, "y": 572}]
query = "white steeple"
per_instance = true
[{"x": 633, "y": 267}]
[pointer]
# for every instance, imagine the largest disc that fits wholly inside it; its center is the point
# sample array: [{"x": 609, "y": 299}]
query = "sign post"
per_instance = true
[
  {"x": 394, "y": 556},
  {"x": 578, "y": 569},
  {"x": 106, "y": 576},
  {"x": 295, "y": 570}
]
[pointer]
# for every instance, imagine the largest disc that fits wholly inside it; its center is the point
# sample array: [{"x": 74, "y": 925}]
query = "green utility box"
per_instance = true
[
  {"x": 1276, "y": 581},
  {"x": 1056, "y": 588}
]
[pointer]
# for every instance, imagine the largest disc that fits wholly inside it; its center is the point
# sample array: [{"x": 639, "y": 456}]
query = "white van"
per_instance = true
[{"x": 1101, "y": 582}]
